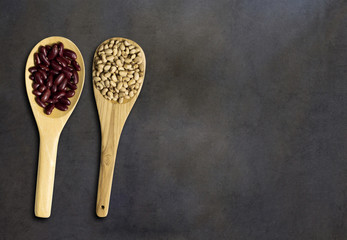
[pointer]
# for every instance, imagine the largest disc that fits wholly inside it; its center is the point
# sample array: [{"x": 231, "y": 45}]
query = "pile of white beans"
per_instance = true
[{"x": 118, "y": 70}]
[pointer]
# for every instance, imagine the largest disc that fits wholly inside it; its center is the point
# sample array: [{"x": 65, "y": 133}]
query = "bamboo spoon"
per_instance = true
[
  {"x": 112, "y": 116},
  {"x": 50, "y": 127}
]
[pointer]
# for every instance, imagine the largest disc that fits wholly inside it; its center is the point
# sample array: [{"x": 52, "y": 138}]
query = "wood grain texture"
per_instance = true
[
  {"x": 112, "y": 116},
  {"x": 50, "y": 127}
]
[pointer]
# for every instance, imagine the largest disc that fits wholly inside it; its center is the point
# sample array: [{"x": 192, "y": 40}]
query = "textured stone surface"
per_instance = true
[{"x": 239, "y": 132}]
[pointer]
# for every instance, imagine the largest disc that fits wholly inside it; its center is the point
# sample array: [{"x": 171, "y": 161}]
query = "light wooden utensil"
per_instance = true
[
  {"x": 50, "y": 127},
  {"x": 112, "y": 116}
]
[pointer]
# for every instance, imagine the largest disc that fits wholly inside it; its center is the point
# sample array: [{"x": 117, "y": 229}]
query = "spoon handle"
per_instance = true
[
  {"x": 107, "y": 163},
  {"x": 109, "y": 145},
  {"x": 45, "y": 174}
]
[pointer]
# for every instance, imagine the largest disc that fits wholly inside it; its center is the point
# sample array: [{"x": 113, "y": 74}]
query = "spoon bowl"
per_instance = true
[
  {"x": 112, "y": 116},
  {"x": 50, "y": 127}
]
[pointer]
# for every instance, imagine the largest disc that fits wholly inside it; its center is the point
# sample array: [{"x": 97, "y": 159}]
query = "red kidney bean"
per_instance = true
[
  {"x": 70, "y": 93},
  {"x": 54, "y": 72},
  {"x": 35, "y": 86},
  {"x": 45, "y": 95},
  {"x": 55, "y": 66},
  {"x": 49, "y": 108},
  {"x": 61, "y": 49},
  {"x": 75, "y": 77},
  {"x": 65, "y": 101},
  {"x": 43, "y": 74},
  {"x": 37, "y": 59},
  {"x": 52, "y": 100},
  {"x": 70, "y": 54},
  {"x": 62, "y": 86},
  {"x": 70, "y": 69},
  {"x": 54, "y": 88},
  {"x": 55, "y": 77},
  {"x": 44, "y": 67},
  {"x": 67, "y": 60},
  {"x": 49, "y": 82},
  {"x": 59, "y": 79},
  {"x": 53, "y": 53},
  {"x": 44, "y": 59},
  {"x": 62, "y": 61},
  {"x": 61, "y": 106},
  {"x": 43, "y": 50},
  {"x": 71, "y": 86},
  {"x": 32, "y": 69},
  {"x": 37, "y": 92},
  {"x": 58, "y": 95},
  {"x": 37, "y": 99},
  {"x": 38, "y": 78},
  {"x": 67, "y": 73},
  {"x": 48, "y": 47},
  {"x": 76, "y": 65},
  {"x": 42, "y": 88}
]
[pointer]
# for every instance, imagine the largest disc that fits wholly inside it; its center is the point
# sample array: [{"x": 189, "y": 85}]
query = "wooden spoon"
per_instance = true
[
  {"x": 50, "y": 127},
  {"x": 112, "y": 117}
]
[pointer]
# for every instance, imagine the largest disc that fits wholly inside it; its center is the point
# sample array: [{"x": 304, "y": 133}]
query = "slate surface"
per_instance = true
[{"x": 239, "y": 132}]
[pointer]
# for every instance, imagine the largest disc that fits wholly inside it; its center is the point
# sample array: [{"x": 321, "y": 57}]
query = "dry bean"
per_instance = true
[
  {"x": 108, "y": 51},
  {"x": 110, "y": 94},
  {"x": 103, "y": 57},
  {"x": 131, "y": 82},
  {"x": 119, "y": 63},
  {"x": 136, "y": 76},
  {"x": 110, "y": 58},
  {"x": 99, "y": 86},
  {"x": 138, "y": 60},
  {"x": 104, "y": 91},
  {"x": 107, "y": 67},
  {"x": 107, "y": 75},
  {"x": 123, "y": 74}
]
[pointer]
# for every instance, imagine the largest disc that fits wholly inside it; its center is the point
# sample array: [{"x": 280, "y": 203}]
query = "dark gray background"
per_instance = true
[{"x": 239, "y": 131}]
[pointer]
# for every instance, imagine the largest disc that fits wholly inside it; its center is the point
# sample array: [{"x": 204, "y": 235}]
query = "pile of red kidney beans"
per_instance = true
[{"x": 55, "y": 77}]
